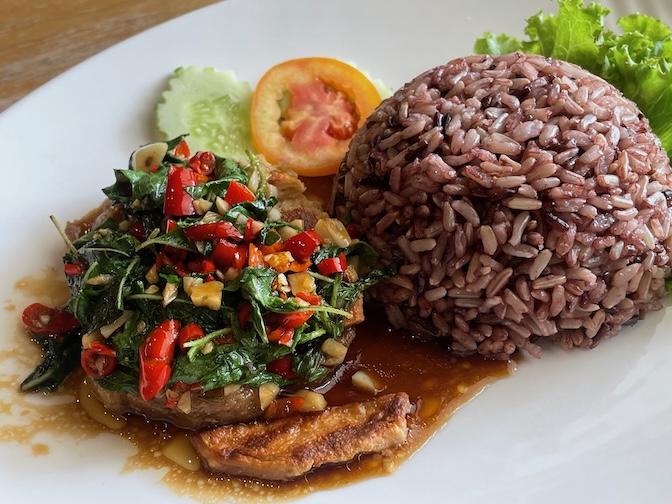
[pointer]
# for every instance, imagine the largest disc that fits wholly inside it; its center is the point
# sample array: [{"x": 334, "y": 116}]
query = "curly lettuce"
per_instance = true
[{"x": 636, "y": 61}]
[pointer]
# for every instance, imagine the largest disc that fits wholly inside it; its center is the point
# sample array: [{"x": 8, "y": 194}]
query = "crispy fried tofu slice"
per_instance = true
[{"x": 285, "y": 448}]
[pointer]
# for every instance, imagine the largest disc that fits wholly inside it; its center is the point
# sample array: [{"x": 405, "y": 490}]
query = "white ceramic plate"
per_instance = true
[{"x": 574, "y": 427}]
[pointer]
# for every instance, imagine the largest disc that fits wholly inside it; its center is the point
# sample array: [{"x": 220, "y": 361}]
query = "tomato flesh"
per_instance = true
[
  {"x": 319, "y": 116},
  {"x": 305, "y": 111}
]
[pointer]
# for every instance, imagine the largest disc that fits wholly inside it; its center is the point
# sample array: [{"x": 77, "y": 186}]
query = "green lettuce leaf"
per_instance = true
[{"x": 636, "y": 61}]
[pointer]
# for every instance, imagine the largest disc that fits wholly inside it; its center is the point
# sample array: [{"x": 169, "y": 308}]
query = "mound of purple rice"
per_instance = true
[{"x": 523, "y": 199}]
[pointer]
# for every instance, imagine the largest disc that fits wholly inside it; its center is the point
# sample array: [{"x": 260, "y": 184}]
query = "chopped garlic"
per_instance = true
[
  {"x": 201, "y": 205},
  {"x": 267, "y": 392},
  {"x": 335, "y": 351},
  {"x": 364, "y": 382},
  {"x": 101, "y": 279},
  {"x": 189, "y": 282},
  {"x": 109, "y": 329},
  {"x": 312, "y": 401},
  {"x": 333, "y": 232},
  {"x": 222, "y": 205},
  {"x": 301, "y": 282},
  {"x": 152, "y": 275},
  {"x": 207, "y": 294}
]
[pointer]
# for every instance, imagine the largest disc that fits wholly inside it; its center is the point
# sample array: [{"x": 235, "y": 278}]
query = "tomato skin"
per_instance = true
[
  {"x": 58, "y": 321},
  {"x": 329, "y": 101},
  {"x": 98, "y": 360}
]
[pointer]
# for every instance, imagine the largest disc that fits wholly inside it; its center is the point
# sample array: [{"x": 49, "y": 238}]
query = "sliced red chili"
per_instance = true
[
  {"x": 282, "y": 366},
  {"x": 43, "y": 320},
  {"x": 190, "y": 332},
  {"x": 75, "y": 268},
  {"x": 252, "y": 229},
  {"x": 255, "y": 257},
  {"x": 176, "y": 263},
  {"x": 238, "y": 193},
  {"x": 227, "y": 254},
  {"x": 182, "y": 150},
  {"x": 203, "y": 162},
  {"x": 295, "y": 319},
  {"x": 332, "y": 265},
  {"x": 309, "y": 297},
  {"x": 156, "y": 354},
  {"x": 171, "y": 224},
  {"x": 177, "y": 201},
  {"x": 302, "y": 245},
  {"x": 244, "y": 314},
  {"x": 201, "y": 265},
  {"x": 98, "y": 360},
  {"x": 282, "y": 335},
  {"x": 212, "y": 230}
]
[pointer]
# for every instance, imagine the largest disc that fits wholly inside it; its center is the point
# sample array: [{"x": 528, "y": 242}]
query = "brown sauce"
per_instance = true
[{"x": 437, "y": 382}]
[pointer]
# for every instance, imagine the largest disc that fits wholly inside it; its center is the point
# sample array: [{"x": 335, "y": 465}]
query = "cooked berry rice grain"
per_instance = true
[{"x": 523, "y": 199}]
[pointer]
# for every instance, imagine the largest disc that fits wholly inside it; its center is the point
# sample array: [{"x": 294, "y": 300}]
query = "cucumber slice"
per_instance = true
[{"x": 212, "y": 106}]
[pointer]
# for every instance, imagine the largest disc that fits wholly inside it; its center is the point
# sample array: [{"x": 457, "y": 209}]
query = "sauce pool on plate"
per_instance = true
[{"x": 437, "y": 381}]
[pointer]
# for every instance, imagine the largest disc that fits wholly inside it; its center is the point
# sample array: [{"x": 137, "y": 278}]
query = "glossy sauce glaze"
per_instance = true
[{"x": 437, "y": 381}]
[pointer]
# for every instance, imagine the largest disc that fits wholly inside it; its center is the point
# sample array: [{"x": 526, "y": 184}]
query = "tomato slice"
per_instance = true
[{"x": 305, "y": 111}]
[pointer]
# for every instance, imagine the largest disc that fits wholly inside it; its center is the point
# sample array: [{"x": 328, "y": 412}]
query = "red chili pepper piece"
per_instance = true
[
  {"x": 202, "y": 266},
  {"x": 203, "y": 162},
  {"x": 182, "y": 150},
  {"x": 156, "y": 355},
  {"x": 295, "y": 319},
  {"x": 190, "y": 332},
  {"x": 282, "y": 366},
  {"x": 98, "y": 360},
  {"x": 238, "y": 193},
  {"x": 332, "y": 265},
  {"x": 252, "y": 229},
  {"x": 75, "y": 268},
  {"x": 227, "y": 254},
  {"x": 302, "y": 245},
  {"x": 137, "y": 230},
  {"x": 244, "y": 314},
  {"x": 44, "y": 320},
  {"x": 171, "y": 224},
  {"x": 282, "y": 335},
  {"x": 212, "y": 230},
  {"x": 176, "y": 263},
  {"x": 309, "y": 297},
  {"x": 178, "y": 201},
  {"x": 353, "y": 230}
]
